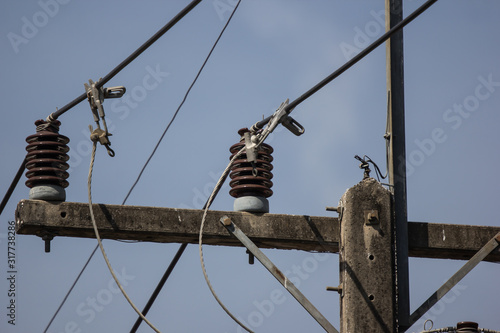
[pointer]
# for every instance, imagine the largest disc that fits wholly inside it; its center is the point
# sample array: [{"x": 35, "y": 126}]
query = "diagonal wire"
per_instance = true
[
  {"x": 12, "y": 186},
  {"x": 183, "y": 100},
  {"x": 183, "y": 246},
  {"x": 70, "y": 289}
]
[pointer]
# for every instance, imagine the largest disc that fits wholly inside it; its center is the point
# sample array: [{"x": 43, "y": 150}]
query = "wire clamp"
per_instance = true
[
  {"x": 96, "y": 96},
  {"x": 280, "y": 116}
]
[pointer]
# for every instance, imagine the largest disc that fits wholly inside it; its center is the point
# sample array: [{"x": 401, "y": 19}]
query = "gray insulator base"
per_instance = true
[
  {"x": 48, "y": 193},
  {"x": 251, "y": 204}
]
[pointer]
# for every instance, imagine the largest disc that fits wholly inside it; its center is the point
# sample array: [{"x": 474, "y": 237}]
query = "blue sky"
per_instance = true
[{"x": 271, "y": 51}]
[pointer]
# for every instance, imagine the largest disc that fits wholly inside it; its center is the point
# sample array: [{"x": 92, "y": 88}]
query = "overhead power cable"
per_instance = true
[
  {"x": 360, "y": 55},
  {"x": 129, "y": 59},
  {"x": 353, "y": 61},
  {"x": 103, "y": 81}
]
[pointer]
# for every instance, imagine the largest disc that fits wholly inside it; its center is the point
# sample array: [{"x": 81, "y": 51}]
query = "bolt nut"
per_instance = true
[{"x": 226, "y": 221}]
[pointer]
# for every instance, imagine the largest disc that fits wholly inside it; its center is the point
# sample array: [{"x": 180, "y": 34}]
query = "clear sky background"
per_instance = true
[{"x": 272, "y": 50}]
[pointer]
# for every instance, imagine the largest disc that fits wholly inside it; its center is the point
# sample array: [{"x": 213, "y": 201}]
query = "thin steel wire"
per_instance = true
[
  {"x": 200, "y": 239},
  {"x": 89, "y": 186}
]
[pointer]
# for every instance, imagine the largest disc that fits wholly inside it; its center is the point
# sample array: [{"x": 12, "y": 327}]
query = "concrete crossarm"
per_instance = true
[{"x": 172, "y": 225}]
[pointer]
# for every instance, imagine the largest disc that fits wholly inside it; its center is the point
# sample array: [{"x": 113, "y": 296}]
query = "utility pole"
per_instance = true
[
  {"x": 397, "y": 156},
  {"x": 367, "y": 293}
]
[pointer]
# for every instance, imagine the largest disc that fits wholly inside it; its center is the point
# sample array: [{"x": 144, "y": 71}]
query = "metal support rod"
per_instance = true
[
  {"x": 397, "y": 156},
  {"x": 459, "y": 275},
  {"x": 160, "y": 285},
  {"x": 233, "y": 229},
  {"x": 130, "y": 58}
]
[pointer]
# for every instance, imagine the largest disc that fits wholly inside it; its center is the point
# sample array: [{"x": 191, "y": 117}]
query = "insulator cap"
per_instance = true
[{"x": 467, "y": 327}]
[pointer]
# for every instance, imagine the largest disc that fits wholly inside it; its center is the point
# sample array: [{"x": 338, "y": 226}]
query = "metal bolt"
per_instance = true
[
  {"x": 47, "y": 238},
  {"x": 251, "y": 257},
  {"x": 226, "y": 221},
  {"x": 337, "y": 289}
]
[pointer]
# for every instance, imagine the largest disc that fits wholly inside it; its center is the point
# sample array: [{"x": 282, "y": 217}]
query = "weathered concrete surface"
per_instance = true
[
  {"x": 367, "y": 274},
  {"x": 438, "y": 240},
  {"x": 170, "y": 225}
]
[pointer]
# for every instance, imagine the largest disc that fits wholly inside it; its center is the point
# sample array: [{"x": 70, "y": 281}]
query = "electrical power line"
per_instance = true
[
  {"x": 360, "y": 55},
  {"x": 130, "y": 58}
]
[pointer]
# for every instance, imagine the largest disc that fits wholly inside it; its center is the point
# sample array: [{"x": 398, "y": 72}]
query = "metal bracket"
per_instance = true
[
  {"x": 280, "y": 116},
  {"x": 371, "y": 217},
  {"x": 233, "y": 229},
  {"x": 96, "y": 96}
]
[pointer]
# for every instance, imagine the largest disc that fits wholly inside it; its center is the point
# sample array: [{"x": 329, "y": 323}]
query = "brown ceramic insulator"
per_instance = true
[
  {"x": 243, "y": 180},
  {"x": 47, "y": 156}
]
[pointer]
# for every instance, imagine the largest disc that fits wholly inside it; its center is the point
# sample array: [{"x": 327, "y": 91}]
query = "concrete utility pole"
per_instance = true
[{"x": 367, "y": 276}]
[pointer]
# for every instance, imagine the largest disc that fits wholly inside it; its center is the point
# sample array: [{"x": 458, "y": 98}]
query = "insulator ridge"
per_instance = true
[{"x": 47, "y": 157}]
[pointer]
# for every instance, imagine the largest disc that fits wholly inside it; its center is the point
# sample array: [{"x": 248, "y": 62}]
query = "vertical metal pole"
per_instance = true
[{"x": 397, "y": 157}]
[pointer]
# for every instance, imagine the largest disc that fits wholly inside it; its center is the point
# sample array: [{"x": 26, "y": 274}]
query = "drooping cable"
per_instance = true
[
  {"x": 200, "y": 239},
  {"x": 129, "y": 59},
  {"x": 89, "y": 184}
]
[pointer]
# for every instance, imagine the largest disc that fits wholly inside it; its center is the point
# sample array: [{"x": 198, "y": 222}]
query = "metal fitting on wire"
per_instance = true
[{"x": 96, "y": 96}]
